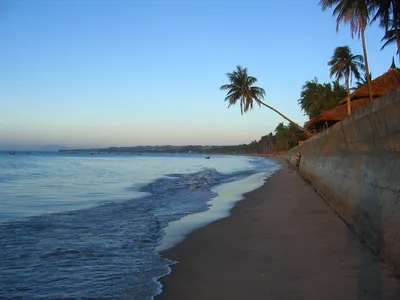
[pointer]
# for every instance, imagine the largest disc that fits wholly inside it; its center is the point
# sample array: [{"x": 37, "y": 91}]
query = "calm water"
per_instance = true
[{"x": 79, "y": 226}]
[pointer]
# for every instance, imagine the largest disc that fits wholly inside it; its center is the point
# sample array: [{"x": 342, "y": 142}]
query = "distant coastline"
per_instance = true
[{"x": 188, "y": 149}]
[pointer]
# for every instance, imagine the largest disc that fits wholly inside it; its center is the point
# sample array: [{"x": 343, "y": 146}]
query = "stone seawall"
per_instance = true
[{"x": 355, "y": 166}]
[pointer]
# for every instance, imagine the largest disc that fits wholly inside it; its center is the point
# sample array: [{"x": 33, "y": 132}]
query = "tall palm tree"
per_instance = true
[
  {"x": 241, "y": 88},
  {"x": 345, "y": 65},
  {"x": 356, "y": 13},
  {"x": 388, "y": 13}
]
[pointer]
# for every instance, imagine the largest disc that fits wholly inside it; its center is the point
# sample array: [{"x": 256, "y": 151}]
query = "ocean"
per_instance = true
[{"x": 92, "y": 226}]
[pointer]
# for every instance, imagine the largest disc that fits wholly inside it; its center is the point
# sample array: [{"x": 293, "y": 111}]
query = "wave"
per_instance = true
[{"x": 106, "y": 251}]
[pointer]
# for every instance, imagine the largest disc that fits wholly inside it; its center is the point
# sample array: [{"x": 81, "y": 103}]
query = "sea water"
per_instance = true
[{"x": 92, "y": 226}]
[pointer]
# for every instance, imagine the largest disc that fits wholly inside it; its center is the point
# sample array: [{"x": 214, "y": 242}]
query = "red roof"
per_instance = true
[
  {"x": 359, "y": 98},
  {"x": 380, "y": 86},
  {"x": 338, "y": 113}
]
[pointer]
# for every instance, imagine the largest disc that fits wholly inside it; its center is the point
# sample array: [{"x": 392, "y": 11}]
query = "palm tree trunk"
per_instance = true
[
  {"x": 366, "y": 64},
  {"x": 348, "y": 94},
  {"x": 286, "y": 118},
  {"x": 396, "y": 31}
]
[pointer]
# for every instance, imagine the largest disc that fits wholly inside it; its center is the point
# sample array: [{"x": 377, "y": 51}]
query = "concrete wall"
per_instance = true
[{"x": 355, "y": 165}]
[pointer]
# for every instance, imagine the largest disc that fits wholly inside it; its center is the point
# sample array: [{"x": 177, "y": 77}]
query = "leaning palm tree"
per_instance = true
[
  {"x": 241, "y": 88},
  {"x": 354, "y": 12},
  {"x": 388, "y": 13},
  {"x": 345, "y": 65}
]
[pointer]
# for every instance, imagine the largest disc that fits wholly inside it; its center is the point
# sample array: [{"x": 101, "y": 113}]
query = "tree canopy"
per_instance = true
[
  {"x": 356, "y": 13},
  {"x": 316, "y": 97}
]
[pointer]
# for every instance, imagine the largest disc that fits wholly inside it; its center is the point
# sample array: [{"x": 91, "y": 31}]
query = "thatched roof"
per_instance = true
[
  {"x": 338, "y": 113},
  {"x": 359, "y": 98},
  {"x": 380, "y": 86}
]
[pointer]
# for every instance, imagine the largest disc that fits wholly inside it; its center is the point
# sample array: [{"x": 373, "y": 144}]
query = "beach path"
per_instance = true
[{"x": 281, "y": 242}]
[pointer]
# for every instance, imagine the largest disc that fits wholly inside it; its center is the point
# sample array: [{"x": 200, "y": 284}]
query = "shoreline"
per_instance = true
[
  {"x": 282, "y": 241},
  {"x": 219, "y": 207}
]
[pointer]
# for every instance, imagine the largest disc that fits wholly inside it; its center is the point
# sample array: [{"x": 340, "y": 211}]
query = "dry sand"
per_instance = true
[{"x": 281, "y": 242}]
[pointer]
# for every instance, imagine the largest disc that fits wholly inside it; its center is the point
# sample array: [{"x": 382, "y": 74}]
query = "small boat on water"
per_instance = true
[
  {"x": 207, "y": 157},
  {"x": 12, "y": 152}
]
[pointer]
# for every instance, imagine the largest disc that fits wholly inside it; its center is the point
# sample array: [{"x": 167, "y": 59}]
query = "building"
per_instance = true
[{"x": 359, "y": 98}]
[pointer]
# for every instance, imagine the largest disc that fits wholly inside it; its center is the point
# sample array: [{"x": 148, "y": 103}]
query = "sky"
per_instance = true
[{"x": 97, "y": 73}]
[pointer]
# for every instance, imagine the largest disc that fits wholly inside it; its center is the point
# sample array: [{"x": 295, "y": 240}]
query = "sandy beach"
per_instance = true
[{"x": 281, "y": 242}]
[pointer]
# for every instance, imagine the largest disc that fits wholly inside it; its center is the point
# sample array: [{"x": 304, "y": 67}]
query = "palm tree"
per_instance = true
[
  {"x": 241, "y": 89},
  {"x": 316, "y": 97},
  {"x": 356, "y": 13},
  {"x": 390, "y": 34},
  {"x": 338, "y": 91},
  {"x": 287, "y": 136},
  {"x": 346, "y": 65},
  {"x": 362, "y": 81},
  {"x": 311, "y": 97},
  {"x": 389, "y": 38},
  {"x": 388, "y": 13},
  {"x": 267, "y": 143},
  {"x": 335, "y": 92}
]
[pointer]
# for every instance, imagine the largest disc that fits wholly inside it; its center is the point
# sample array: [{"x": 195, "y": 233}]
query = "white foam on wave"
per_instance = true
[
  {"x": 228, "y": 195},
  {"x": 158, "y": 283}
]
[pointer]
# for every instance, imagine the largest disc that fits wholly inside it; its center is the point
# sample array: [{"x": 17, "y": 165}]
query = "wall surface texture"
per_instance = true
[{"x": 355, "y": 166}]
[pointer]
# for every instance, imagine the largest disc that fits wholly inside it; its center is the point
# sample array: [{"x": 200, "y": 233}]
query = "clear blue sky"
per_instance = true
[{"x": 119, "y": 73}]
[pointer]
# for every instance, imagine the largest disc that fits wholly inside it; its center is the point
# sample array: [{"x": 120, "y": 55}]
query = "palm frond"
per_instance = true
[{"x": 241, "y": 88}]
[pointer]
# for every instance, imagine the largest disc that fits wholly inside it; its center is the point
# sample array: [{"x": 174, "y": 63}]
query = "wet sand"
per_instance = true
[{"x": 281, "y": 242}]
